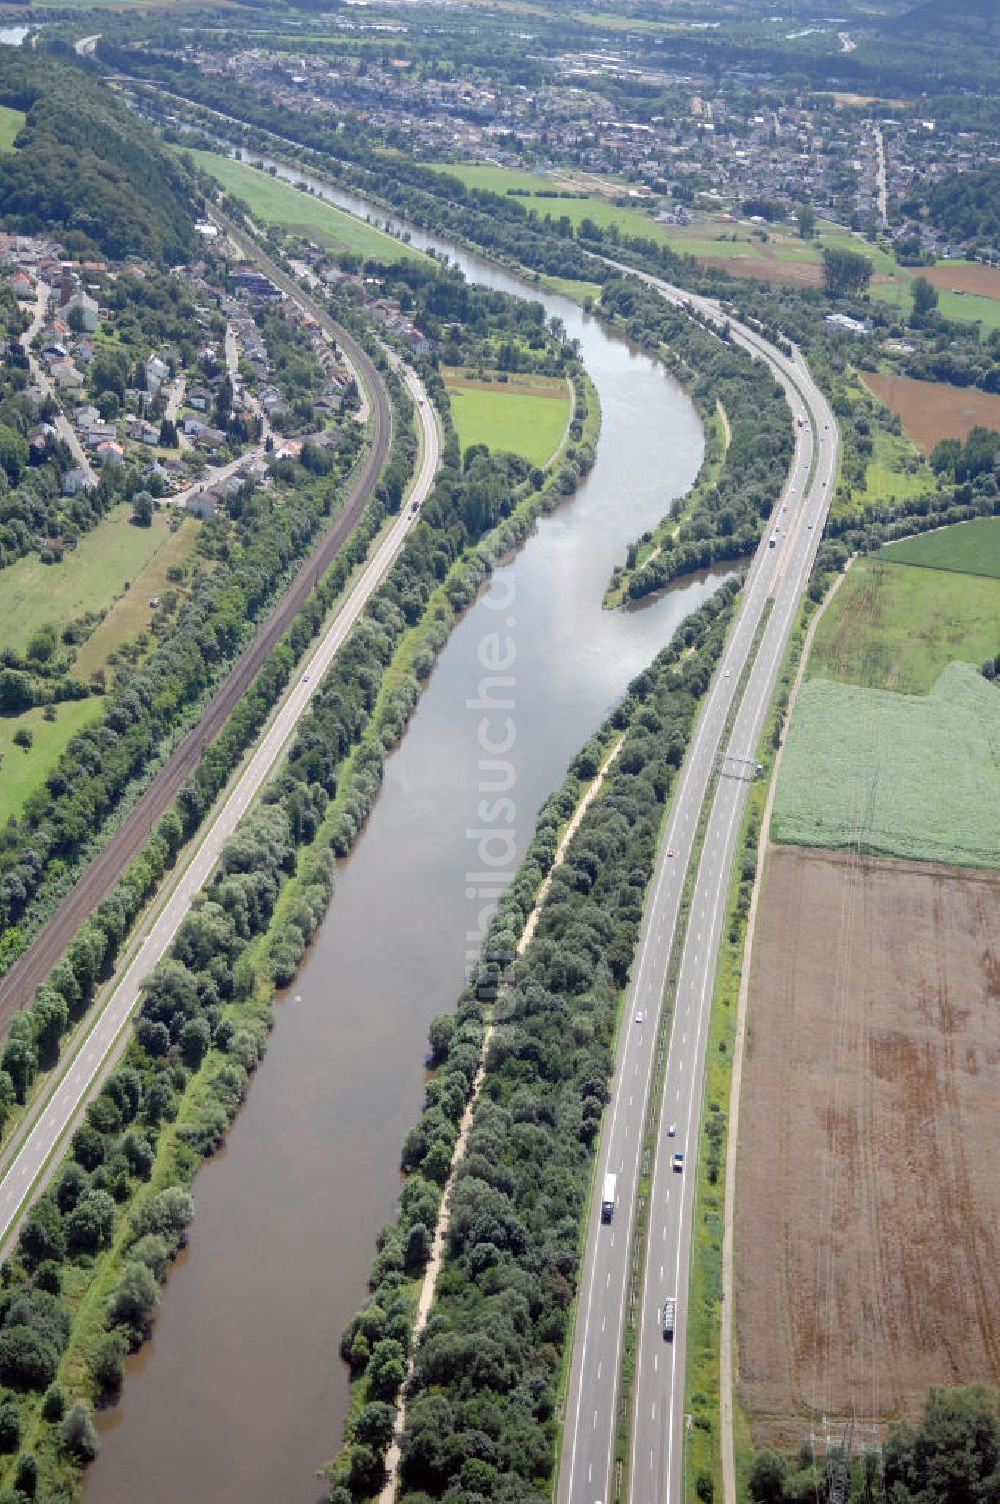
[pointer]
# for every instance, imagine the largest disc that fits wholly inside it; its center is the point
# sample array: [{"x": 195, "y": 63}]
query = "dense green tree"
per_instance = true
[{"x": 845, "y": 271}]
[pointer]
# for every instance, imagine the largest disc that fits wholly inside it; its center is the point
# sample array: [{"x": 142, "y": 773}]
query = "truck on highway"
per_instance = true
[
  {"x": 608, "y": 1198},
  {"x": 669, "y": 1316}
]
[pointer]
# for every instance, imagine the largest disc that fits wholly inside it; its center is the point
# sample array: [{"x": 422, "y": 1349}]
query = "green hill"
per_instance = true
[{"x": 86, "y": 167}]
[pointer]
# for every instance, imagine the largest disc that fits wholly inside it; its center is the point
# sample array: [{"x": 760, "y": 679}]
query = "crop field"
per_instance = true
[
  {"x": 901, "y": 775},
  {"x": 867, "y": 1226},
  {"x": 33, "y": 594},
  {"x": 933, "y": 410},
  {"x": 526, "y": 416},
  {"x": 965, "y": 547},
  {"x": 890, "y": 626},
  {"x": 279, "y": 203},
  {"x": 967, "y": 276},
  {"x": 11, "y": 121},
  {"x": 735, "y": 246}
]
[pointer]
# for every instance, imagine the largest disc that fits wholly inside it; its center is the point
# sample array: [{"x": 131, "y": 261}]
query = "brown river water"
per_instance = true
[{"x": 240, "y": 1395}]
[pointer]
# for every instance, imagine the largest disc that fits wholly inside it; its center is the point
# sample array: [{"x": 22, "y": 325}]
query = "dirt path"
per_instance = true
[
  {"x": 429, "y": 1285},
  {"x": 726, "y": 1364}
]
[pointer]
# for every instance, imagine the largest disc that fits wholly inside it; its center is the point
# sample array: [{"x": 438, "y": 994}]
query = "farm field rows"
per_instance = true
[
  {"x": 904, "y": 775},
  {"x": 971, "y": 548},
  {"x": 527, "y": 416},
  {"x": 867, "y": 1258},
  {"x": 933, "y": 410}
]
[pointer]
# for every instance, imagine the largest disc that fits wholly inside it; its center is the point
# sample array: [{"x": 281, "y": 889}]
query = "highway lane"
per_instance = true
[
  {"x": 586, "y": 1472},
  {"x": 656, "y": 1471},
  {"x": 98, "y": 1048}
]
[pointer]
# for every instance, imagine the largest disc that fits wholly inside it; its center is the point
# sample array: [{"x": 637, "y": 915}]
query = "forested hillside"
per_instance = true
[
  {"x": 86, "y": 169},
  {"x": 966, "y": 205}
]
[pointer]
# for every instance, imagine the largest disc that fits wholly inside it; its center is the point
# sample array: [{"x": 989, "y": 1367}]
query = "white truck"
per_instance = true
[{"x": 608, "y": 1197}]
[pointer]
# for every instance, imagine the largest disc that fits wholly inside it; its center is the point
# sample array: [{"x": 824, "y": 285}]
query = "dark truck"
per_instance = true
[{"x": 669, "y": 1316}]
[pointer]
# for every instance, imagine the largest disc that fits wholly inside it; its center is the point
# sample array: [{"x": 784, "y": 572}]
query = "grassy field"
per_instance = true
[
  {"x": 965, "y": 547},
  {"x": 278, "y": 203},
  {"x": 132, "y": 613},
  {"x": 88, "y": 579},
  {"x": 500, "y": 179},
  {"x": 570, "y": 287},
  {"x": 893, "y": 627},
  {"x": 525, "y": 423},
  {"x": 11, "y": 122},
  {"x": 896, "y": 469},
  {"x": 22, "y": 772},
  {"x": 901, "y": 775}
]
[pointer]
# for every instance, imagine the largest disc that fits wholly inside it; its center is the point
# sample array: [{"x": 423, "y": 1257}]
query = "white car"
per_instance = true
[
  {"x": 672, "y": 1130},
  {"x": 640, "y": 1017}
]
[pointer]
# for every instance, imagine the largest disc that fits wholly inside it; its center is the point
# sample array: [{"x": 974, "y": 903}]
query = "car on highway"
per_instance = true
[
  {"x": 677, "y": 1163},
  {"x": 640, "y": 1017},
  {"x": 726, "y": 674},
  {"x": 672, "y": 1130},
  {"x": 305, "y": 678},
  {"x": 670, "y": 851}
]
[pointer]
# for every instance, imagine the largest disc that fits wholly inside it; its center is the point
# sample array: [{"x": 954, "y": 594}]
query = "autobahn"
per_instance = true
[
  {"x": 57, "y": 1115},
  {"x": 588, "y": 1471},
  {"x": 17, "y": 986}
]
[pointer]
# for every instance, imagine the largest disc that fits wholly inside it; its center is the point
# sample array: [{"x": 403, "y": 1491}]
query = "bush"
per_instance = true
[{"x": 78, "y": 1434}]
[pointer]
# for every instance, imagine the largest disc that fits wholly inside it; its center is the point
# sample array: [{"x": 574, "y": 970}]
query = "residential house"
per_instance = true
[
  {"x": 110, "y": 452},
  {"x": 211, "y": 439},
  {"x": 198, "y": 397},
  {"x": 157, "y": 372},
  {"x": 85, "y": 310},
  {"x": 22, "y": 284},
  {"x": 75, "y": 480},
  {"x": 66, "y": 375}
]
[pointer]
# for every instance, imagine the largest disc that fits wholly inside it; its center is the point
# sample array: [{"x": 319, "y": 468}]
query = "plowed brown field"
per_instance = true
[
  {"x": 933, "y": 410},
  {"x": 867, "y": 1238}
]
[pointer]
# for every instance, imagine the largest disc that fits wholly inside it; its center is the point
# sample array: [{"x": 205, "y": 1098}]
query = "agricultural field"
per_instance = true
[
  {"x": 867, "y": 1255},
  {"x": 526, "y": 415},
  {"x": 934, "y": 410},
  {"x": 11, "y": 121},
  {"x": 903, "y": 775},
  {"x": 891, "y": 626},
  {"x": 967, "y": 276},
  {"x": 279, "y": 203},
  {"x": 738, "y": 247},
  {"x": 965, "y": 547},
  {"x": 596, "y": 207}
]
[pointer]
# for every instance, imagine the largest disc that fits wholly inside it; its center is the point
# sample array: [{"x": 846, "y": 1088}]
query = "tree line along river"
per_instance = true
[{"x": 241, "y": 1394}]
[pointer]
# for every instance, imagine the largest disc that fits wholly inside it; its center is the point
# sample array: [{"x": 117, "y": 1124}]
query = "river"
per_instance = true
[{"x": 240, "y": 1394}]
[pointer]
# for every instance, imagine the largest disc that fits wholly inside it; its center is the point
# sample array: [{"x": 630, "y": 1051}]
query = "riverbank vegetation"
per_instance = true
[
  {"x": 727, "y": 512},
  {"x": 481, "y": 1399},
  {"x": 108, "y": 1228}
]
